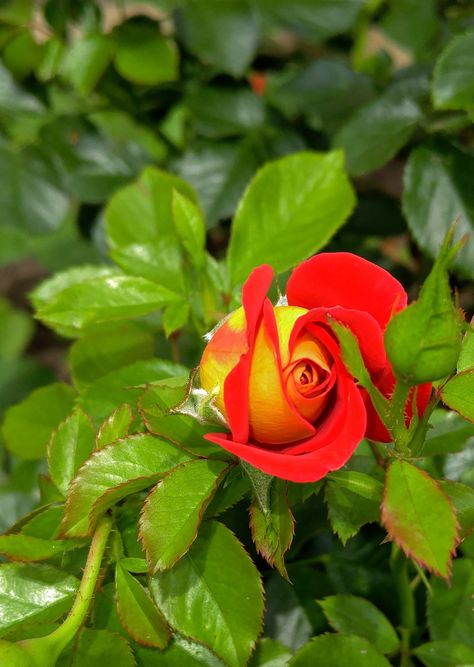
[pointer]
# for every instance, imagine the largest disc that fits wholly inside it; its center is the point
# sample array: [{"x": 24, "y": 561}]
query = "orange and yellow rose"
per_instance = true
[{"x": 276, "y": 372}]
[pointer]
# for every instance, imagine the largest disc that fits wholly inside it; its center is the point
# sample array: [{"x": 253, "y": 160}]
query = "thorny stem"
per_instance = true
[{"x": 61, "y": 637}]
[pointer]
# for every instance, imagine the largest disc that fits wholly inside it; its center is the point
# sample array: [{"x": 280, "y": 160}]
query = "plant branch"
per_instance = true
[
  {"x": 78, "y": 613},
  {"x": 44, "y": 651}
]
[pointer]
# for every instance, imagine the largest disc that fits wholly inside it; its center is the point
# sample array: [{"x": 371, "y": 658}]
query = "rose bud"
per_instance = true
[{"x": 276, "y": 372}]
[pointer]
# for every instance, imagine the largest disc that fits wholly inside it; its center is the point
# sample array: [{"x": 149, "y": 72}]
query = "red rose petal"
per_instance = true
[
  {"x": 311, "y": 466},
  {"x": 254, "y": 293},
  {"x": 363, "y": 325},
  {"x": 343, "y": 279}
]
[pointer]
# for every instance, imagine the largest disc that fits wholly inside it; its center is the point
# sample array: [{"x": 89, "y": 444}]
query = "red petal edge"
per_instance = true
[
  {"x": 347, "y": 280},
  {"x": 313, "y": 465},
  {"x": 254, "y": 294}
]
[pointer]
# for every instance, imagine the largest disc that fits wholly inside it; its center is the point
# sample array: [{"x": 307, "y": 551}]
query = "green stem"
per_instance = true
[
  {"x": 397, "y": 411},
  {"x": 45, "y": 651},
  {"x": 419, "y": 436},
  {"x": 63, "y": 635},
  {"x": 406, "y": 598}
]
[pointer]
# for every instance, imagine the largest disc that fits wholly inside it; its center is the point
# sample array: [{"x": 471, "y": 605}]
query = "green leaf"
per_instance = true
[
  {"x": 172, "y": 512},
  {"x": 273, "y": 526},
  {"x": 462, "y": 497},
  {"x": 134, "y": 565},
  {"x": 327, "y": 87},
  {"x": 202, "y": 24},
  {"x": 212, "y": 576},
  {"x": 101, "y": 352},
  {"x": 86, "y": 61},
  {"x": 144, "y": 56},
  {"x": 70, "y": 445},
  {"x": 42, "y": 522},
  {"x": 137, "y": 613},
  {"x": 338, "y": 650},
  {"x": 450, "y": 605},
  {"x": 310, "y": 199},
  {"x": 348, "y": 511},
  {"x": 270, "y": 653},
  {"x": 114, "y": 427},
  {"x": 444, "y": 653},
  {"x": 221, "y": 112},
  {"x": 175, "y": 317},
  {"x": 419, "y": 517},
  {"x": 125, "y": 385},
  {"x": 316, "y": 21},
  {"x": 449, "y": 433},
  {"x": 33, "y": 593},
  {"x": 190, "y": 226},
  {"x": 458, "y": 394},
  {"x": 26, "y": 548},
  {"x": 182, "y": 652},
  {"x": 16, "y": 331},
  {"x": 28, "y": 425},
  {"x": 423, "y": 341},
  {"x": 359, "y": 483},
  {"x": 156, "y": 408},
  {"x": 352, "y": 615},
  {"x": 103, "y": 300},
  {"x": 236, "y": 485},
  {"x": 98, "y": 647},
  {"x": 51, "y": 59},
  {"x": 150, "y": 247},
  {"x": 453, "y": 78},
  {"x": 413, "y": 25},
  {"x": 21, "y": 54},
  {"x": 466, "y": 358},
  {"x": 376, "y": 132},
  {"x": 114, "y": 472},
  {"x": 219, "y": 171},
  {"x": 437, "y": 191},
  {"x": 51, "y": 287},
  {"x": 31, "y": 199},
  {"x": 121, "y": 128}
]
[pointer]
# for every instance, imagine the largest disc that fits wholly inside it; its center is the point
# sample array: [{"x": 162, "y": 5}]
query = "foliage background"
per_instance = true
[{"x": 91, "y": 94}]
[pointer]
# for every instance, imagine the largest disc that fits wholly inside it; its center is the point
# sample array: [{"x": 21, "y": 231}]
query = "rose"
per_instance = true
[{"x": 277, "y": 375}]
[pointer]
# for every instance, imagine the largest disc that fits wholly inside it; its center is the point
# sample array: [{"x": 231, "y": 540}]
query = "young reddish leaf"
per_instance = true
[
  {"x": 70, "y": 445},
  {"x": 273, "y": 526},
  {"x": 138, "y": 614},
  {"x": 419, "y": 517},
  {"x": 115, "y": 426},
  {"x": 173, "y": 510},
  {"x": 458, "y": 394},
  {"x": 114, "y": 472}
]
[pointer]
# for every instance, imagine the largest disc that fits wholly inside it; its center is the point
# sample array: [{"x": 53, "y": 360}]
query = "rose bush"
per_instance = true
[{"x": 293, "y": 409}]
